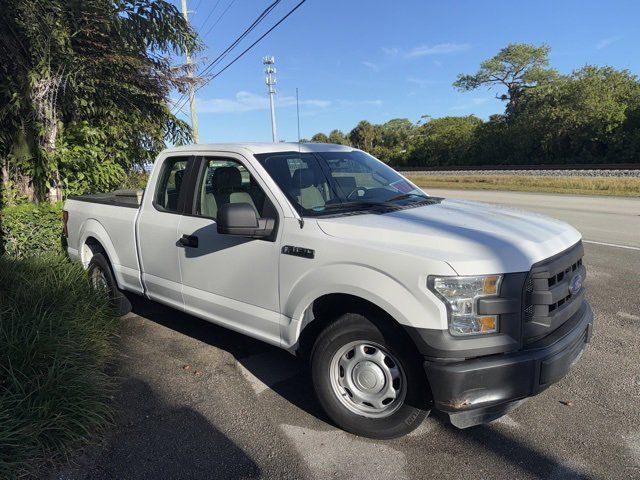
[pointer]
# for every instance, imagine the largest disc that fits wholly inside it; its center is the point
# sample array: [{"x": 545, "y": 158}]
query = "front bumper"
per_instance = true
[{"x": 482, "y": 389}]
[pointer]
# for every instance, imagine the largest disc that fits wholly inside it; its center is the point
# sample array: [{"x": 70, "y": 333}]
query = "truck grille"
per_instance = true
[{"x": 548, "y": 298}]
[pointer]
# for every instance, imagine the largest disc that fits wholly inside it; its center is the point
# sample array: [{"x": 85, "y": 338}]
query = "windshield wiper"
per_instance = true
[
  {"x": 366, "y": 205},
  {"x": 404, "y": 196}
]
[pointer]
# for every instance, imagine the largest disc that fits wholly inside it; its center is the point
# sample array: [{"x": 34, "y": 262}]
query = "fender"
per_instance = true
[
  {"x": 92, "y": 228},
  {"x": 365, "y": 282}
]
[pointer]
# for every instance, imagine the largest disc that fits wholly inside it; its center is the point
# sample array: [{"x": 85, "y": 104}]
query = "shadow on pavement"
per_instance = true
[
  {"x": 296, "y": 389},
  {"x": 506, "y": 448},
  {"x": 153, "y": 440},
  {"x": 476, "y": 441}
]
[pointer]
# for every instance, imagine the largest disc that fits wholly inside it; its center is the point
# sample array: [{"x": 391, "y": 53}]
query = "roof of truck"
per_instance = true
[{"x": 263, "y": 147}]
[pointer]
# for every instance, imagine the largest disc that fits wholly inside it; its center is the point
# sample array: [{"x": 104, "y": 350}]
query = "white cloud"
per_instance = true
[
  {"x": 421, "y": 82},
  {"x": 247, "y": 101},
  {"x": 605, "y": 42},
  {"x": 474, "y": 102},
  {"x": 373, "y": 66},
  {"x": 427, "y": 50},
  {"x": 354, "y": 103},
  {"x": 438, "y": 49}
]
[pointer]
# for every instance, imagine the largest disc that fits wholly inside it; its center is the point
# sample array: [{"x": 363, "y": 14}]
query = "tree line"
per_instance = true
[{"x": 591, "y": 115}]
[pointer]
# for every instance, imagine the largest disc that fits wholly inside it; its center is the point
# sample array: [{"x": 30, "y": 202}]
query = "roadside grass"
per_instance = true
[
  {"x": 625, "y": 187},
  {"x": 55, "y": 341}
]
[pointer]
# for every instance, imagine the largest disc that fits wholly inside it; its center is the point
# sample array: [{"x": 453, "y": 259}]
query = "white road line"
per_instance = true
[
  {"x": 611, "y": 245},
  {"x": 628, "y": 316}
]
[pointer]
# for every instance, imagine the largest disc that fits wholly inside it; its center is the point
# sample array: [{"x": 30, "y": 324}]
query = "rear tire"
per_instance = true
[
  {"x": 368, "y": 379},
  {"x": 101, "y": 276}
]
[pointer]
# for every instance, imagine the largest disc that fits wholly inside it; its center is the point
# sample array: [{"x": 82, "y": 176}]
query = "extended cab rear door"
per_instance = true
[{"x": 157, "y": 229}]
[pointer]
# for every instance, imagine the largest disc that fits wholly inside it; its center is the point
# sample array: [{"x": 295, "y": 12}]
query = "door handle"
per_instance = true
[{"x": 188, "y": 241}]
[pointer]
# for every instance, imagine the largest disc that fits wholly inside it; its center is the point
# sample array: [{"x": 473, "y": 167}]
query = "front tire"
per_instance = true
[
  {"x": 367, "y": 378},
  {"x": 101, "y": 277}
]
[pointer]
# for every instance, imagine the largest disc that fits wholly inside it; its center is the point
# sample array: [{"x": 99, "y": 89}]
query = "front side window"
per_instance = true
[
  {"x": 224, "y": 181},
  {"x": 170, "y": 184},
  {"x": 333, "y": 182}
]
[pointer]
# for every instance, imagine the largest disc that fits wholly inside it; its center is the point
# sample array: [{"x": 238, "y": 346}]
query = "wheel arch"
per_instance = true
[
  {"x": 95, "y": 239},
  {"x": 354, "y": 285},
  {"x": 325, "y": 309}
]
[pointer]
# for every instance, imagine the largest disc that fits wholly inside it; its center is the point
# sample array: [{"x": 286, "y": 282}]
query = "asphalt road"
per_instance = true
[
  {"x": 199, "y": 401},
  {"x": 600, "y": 219}
]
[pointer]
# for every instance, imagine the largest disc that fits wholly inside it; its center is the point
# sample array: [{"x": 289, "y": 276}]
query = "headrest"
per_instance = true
[
  {"x": 303, "y": 178},
  {"x": 226, "y": 178},
  {"x": 179, "y": 175}
]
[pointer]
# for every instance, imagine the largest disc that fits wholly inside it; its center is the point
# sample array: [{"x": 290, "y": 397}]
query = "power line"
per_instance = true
[
  {"x": 250, "y": 46},
  {"x": 242, "y": 36},
  {"x": 254, "y": 43},
  {"x": 209, "y": 15},
  {"x": 219, "y": 18},
  {"x": 237, "y": 41}
]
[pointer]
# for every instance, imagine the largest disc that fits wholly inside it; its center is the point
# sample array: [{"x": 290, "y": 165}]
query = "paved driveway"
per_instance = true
[{"x": 199, "y": 401}]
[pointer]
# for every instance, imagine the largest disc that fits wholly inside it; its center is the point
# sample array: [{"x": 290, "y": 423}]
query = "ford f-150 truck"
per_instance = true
[{"x": 401, "y": 302}]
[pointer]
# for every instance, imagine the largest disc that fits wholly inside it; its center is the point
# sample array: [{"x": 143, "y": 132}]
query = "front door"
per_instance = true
[{"x": 229, "y": 279}]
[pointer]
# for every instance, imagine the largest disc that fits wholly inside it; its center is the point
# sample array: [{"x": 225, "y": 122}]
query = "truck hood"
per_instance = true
[{"x": 472, "y": 237}]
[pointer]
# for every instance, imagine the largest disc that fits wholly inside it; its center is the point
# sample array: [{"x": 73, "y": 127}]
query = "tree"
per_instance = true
[
  {"x": 518, "y": 67},
  {"x": 93, "y": 72},
  {"x": 320, "y": 138},
  {"x": 588, "y": 116},
  {"x": 396, "y": 133},
  {"x": 338, "y": 137},
  {"x": 445, "y": 141},
  {"x": 363, "y": 135}
]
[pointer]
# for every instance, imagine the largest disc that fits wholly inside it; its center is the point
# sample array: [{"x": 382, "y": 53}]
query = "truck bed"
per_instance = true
[
  {"x": 111, "y": 218},
  {"x": 119, "y": 198}
]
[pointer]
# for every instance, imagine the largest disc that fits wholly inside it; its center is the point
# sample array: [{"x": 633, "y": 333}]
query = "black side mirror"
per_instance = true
[{"x": 241, "y": 219}]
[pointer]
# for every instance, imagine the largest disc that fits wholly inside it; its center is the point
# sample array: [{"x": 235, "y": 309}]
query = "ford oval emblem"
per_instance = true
[{"x": 575, "y": 284}]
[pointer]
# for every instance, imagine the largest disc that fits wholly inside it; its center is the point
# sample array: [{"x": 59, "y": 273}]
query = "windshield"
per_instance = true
[{"x": 323, "y": 183}]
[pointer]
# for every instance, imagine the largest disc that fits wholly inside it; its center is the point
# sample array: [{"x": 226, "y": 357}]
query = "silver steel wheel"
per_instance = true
[
  {"x": 367, "y": 379},
  {"x": 99, "y": 279}
]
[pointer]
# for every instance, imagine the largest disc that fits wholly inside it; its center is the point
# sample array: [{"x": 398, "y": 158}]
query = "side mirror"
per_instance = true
[{"x": 241, "y": 219}]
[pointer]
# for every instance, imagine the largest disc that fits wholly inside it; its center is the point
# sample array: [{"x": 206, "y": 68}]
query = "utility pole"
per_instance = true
[
  {"x": 270, "y": 80},
  {"x": 192, "y": 92}
]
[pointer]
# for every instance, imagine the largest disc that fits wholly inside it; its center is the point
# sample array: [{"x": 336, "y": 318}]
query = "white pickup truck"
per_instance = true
[{"x": 400, "y": 301}]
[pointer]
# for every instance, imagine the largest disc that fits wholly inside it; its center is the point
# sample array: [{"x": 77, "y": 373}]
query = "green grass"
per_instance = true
[
  {"x": 626, "y": 187},
  {"x": 55, "y": 341}
]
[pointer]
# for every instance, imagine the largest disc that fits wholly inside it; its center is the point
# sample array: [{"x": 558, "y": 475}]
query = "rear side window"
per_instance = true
[{"x": 170, "y": 184}]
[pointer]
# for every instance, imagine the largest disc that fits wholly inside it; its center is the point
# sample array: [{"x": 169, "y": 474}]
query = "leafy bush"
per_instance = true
[
  {"x": 31, "y": 229},
  {"x": 55, "y": 339},
  {"x": 134, "y": 179},
  {"x": 86, "y": 163}
]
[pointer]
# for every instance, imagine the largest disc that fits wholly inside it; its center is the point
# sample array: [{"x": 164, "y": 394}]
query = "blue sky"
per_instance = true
[{"x": 376, "y": 60}]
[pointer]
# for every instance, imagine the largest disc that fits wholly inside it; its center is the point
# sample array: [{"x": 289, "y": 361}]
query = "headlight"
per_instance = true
[{"x": 461, "y": 295}]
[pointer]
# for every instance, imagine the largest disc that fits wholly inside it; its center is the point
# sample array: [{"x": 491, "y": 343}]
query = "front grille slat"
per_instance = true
[{"x": 547, "y": 301}]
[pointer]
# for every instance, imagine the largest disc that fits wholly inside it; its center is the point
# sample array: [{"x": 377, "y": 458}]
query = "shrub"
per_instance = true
[
  {"x": 55, "y": 339},
  {"x": 31, "y": 229},
  {"x": 134, "y": 179}
]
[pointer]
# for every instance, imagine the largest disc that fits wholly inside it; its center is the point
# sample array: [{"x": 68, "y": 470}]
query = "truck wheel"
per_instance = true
[
  {"x": 101, "y": 277},
  {"x": 367, "y": 379}
]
